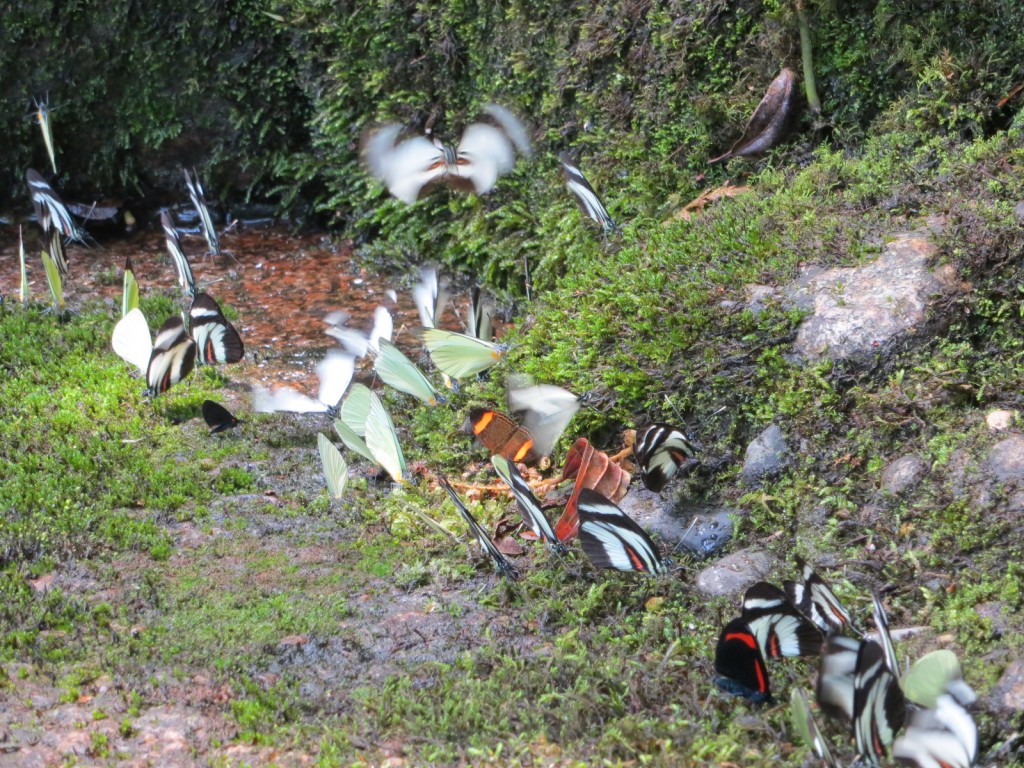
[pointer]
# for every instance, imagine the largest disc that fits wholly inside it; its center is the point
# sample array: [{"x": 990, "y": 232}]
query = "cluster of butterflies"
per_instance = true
[
  {"x": 486, "y": 151},
  {"x": 203, "y": 335},
  {"x": 859, "y": 680}
]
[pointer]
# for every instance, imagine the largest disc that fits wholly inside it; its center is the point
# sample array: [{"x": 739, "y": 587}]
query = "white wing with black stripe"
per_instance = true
[
  {"x": 217, "y": 340},
  {"x": 611, "y": 539},
  {"x": 174, "y": 356}
]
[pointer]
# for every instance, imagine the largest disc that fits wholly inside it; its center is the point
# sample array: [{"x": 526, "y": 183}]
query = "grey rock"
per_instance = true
[
  {"x": 733, "y": 574},
  {"x": 859, "y": 311},
  {"x": 708, "y": 532},
  {"x": 698, "y": 530},
  {"x": 1008, "y": 693},
  {"x": 904, "y": 474},
  {"x": 766, "y": 455},
  {"x": 1018, "y": 210},
  {"x": 998, "y": 613},
  {"x": 1006, "y": 459}
]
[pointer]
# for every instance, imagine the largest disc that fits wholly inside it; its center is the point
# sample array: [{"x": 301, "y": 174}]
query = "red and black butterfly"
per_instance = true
[{"x": 739, "y": 663}]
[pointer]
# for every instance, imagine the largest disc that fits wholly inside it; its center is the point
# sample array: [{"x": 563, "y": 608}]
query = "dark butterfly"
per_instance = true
[
  {"x": 585, "y": 195},
  {"x": 501, "y": 435},
  {"x": 816, "y": 600},
  {"x": 217, "y": 340},
  {"x": 739, "y": 663},
  {"x": 485, "y": 152},
  {"x": 781, "y": 630},
  {"x": 944, "y": 736},
  {"x": 612, "y": 539},
  {"x": 500, "y": 561},
  {"x": 218, "y": 418},
  {"x": 879, "y": 707},
  {"x": 185, "y": 278},
  {"x": 660, "y": 449},
  {"x": 195, "y": 192},
  {"x": 173, "y": 357},
  {"x": 528, "y": 503}
]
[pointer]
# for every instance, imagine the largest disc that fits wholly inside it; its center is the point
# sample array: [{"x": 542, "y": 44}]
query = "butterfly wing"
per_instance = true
[
  {"x": 932, "y": 675},
  {"x": 54, "y": 280},
  {"x": 355, "y": 409},
  {"x": 217, "y": 340},
  {"x": 406, "y": 167},
  {"x": 185, "y": 278},
  {"x": 805, "y": 725},
  {"x": 130, "y": 293},
  {"x": 501, "y": 562},
  {"x": 132, "y": 341},
  {"x": 739, "y": 664},
  {"x": 660, "y": 449},
  {"x": 781, "y": 630},
  {"x": 879, "y": 707},
  {"x": 217, "y": 417},
  {"x": 835, "y": 676},
  {"x": 813, "y": 597},
  {"x": 481, "y": 316},
  {"x": 352, "y": 441},
  {"x": 611, "y": 539},
  {"x": 430, "y": 296},
  {"x": 399, "y": 371},
  {"x": 528, "y": 503},
  {"x": 198, "y": 197},
  {"x": 334, "y": 373},
  {"x": 545, "y": 410},
  {"x": 335, "y": 468},
  {"x": 945, "y": 736},
  {"x": 501, "y": 435},
  {"x": 459, "y": 355},
  {"x": 382, "y": 441},
  {"x": 484, "y": 154},
  {"x": 586, "y": 197},
  {"x": 174, "y": 356},
  {"x": 51, "y": 213}
]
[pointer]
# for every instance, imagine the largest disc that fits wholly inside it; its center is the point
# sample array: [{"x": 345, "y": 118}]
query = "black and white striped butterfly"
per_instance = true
[
  {"x": 585, "y": 195},
  {"x": 781, "y": 629},
  {"x": 195, "y": 192},
  {"x": 879, "y": 707},
  {"x": 815, "y": 599},
  {"x": 612, "y": 539},
  {"x": 660, "y": 449},
  {"x": 528, "y": 503},
  {"x": 484, "y": 153},
  {"x": 185, "y": 278},
  {"x": 501, "y": 562},
  {"x": 51, "y": 213},
  {"x": 481, "y": 316},
  {"x": 217, "y": 340},
  {"x": 174, "y": 356}
]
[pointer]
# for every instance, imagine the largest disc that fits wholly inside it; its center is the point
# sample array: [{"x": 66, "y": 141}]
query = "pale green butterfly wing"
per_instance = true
[
  {"x": 352, "y": 441},
  {"x": 399, "y": 371},
  {"x": 56, "y": 284},
  {"x": 335, "y": 468},
  {"x": 929, "y": 677},
  {"x": 459, "y": 355},
  {"x": 803, "y": 721},
  {"x": 382, "y": 441},
  {"x": 355, "y": 408},
  {"x": 24, "y": 271},
  {"x": 130, "y": 296}
]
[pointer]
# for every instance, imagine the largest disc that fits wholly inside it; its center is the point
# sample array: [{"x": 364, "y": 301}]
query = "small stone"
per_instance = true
[
  {"x": 1018, "y": 210},
  {"x": 1008, "y": 693},
  {"x": 997, "y": 421},
  {"x": 904, "y": 474},
  {"x": 708, "y": 532},
  {"x": 1006, "y": 459},
  {"x": 733, "y": 574},
  {"x": 766, "y": 455}
]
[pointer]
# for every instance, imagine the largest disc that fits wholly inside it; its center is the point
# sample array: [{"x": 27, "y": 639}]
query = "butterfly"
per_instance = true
[
  {"x": 218, "y": 418},
  {"x": 781, "y": 630},
  {"x": 481, "y": 314},
  {"x": 53, "y": 278},
  {"x": 528, "y": 503},
  {"x": 544, "y": 410},
  {"x": 660, "y": 449},
  {"x": 351, "y": 422},
  {"x": 335, "y": 468},
  {"x": 835, "y": 676},
  {"x": 23, "y": 291},
  {"x": 130, "y": 293},
  {"x": 932, "y": 675},
  {"x": 430, "y": 296},
  {"x": 485, "y": 152},
  {"x": 51, "y": 213},
  {"x": 879, "y": 707},
  {"x": 46, "y": 128},
  {"x": 942, "y": 736},
  {"x": 501, "y": 562},
  {"x": 458, "y": 355},
  {"x": 501, "y": 435},
  {"x": 585, "y": 195},
  {"x": 612, "y": 539},
  {"x": 357, "y": 342},
  {"x": 808, "y": 729},
  {"x": 174, "y": 356},
  {"x": 382, "y": 441},
  {"x": 217, "y": 340},
  {"x": 816, "y": 600},
  {"x": 401, "y": 373},
  {"x": 195, "y": 192},
  {"x": 334, "y": 372},
  {"x": 739, "y": 663},
  {"x": 185, "y": 278}
]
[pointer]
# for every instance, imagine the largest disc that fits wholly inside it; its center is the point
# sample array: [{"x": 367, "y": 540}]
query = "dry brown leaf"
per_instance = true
[{"x": 770, "y": 121}]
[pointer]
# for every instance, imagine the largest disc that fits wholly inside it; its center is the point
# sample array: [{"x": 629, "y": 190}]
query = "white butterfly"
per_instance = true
[{"x": 334, "y": 372}]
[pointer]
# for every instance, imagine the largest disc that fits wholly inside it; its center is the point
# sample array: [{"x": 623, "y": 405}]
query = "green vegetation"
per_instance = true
[{"x": 138, "y": 549}]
